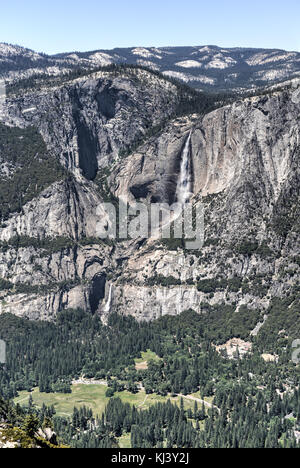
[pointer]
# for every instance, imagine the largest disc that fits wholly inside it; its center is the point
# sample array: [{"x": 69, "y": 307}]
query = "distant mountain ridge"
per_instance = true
[{"x": 203, "y": 67}]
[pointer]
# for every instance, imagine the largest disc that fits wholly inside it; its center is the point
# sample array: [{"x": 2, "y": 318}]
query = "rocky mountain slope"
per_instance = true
[
  {"x": 204, "y": 67},
  {"x": 119, "y": 133},
  {"x": 23, "y": 431}
]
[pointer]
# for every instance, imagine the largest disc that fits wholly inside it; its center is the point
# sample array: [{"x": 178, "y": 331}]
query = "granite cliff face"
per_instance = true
[
  {"x": 245, "y": 160},
  {"x": 108, "y": 132},
  {"x": 87, "y": 122},
  {"x": 255, "y": 137}
]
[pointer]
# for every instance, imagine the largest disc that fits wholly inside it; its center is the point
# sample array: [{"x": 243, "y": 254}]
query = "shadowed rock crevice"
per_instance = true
[
  {"x": 88, "y": 147},
  {"x": 141, "y": 191},
  {"x": 97, "y": 293},
  {"x": 106, "y": 101}
]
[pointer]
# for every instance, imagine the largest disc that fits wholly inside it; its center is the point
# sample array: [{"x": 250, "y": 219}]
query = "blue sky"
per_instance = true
[{"x": 66, "y": 25}]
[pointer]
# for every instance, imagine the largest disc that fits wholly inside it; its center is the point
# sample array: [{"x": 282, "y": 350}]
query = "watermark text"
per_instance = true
[{"x": 155, "y": 221}]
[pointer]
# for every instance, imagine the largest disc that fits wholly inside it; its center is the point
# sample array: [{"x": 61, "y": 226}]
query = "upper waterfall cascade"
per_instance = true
[
  {"x": 107, "y": 306},
  {"x": 183, "y": 190},
  {"x": 184, "y": 184}
]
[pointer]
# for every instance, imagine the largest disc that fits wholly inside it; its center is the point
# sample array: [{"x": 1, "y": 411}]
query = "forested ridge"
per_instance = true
[{"x": 29, "y": 168}]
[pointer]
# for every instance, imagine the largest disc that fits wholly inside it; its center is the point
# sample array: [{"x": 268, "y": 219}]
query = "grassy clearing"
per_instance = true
[
  {"x": 92, "y": 396},
  {"x": 125, "y": 441},
  {"x": 152, "y": 399},
  {"x": 142, "y": 363},
  {"x": 207, "y": 399}
]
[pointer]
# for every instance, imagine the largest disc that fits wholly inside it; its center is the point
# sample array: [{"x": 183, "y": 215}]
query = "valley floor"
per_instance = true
[{"x": 93, "y": 397}]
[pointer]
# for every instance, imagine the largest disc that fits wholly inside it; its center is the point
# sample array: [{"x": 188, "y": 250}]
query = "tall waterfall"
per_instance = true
[
  {"x": 107, "y": 306},
  {"x": 184, "y": 184},
  {"x": 183, "y": 192}
]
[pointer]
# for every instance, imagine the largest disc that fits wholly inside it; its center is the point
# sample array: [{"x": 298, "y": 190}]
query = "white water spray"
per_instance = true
[
  {"x": 107, "y": 306},
  {"x": 184, "y": 184}
]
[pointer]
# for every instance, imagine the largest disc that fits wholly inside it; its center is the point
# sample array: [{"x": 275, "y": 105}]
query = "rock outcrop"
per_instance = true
[{"x": 88, "y": 122}]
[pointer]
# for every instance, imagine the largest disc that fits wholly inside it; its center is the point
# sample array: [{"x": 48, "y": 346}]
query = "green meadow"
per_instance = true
[{"x": 92, "y": 396}]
